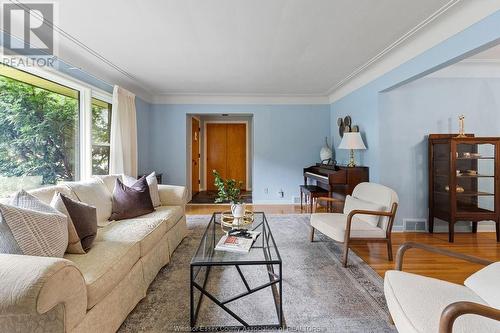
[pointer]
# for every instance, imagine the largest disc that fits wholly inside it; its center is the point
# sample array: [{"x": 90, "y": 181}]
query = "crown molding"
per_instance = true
[
  {"x": 428, "y": 33},
  {"x": 239, "y": 99}
]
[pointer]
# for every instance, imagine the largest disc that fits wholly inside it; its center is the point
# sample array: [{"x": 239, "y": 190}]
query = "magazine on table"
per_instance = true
[{"x": 237, "y": 241}]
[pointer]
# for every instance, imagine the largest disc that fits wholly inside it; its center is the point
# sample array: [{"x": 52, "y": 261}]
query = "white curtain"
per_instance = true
[{"x": 123, "y": 155}]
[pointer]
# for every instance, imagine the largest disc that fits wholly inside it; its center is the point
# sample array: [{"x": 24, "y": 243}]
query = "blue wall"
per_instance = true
[
  {"x": 286, "y": 138},
  {"x": 431, "y": 105},
  {"x": 364, "y": 104}
]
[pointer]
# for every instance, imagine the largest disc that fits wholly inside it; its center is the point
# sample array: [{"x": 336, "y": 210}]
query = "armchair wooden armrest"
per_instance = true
[
  {"x": 409, "y": 245},
  {"x": 391, "y": 214},
  {"x": 457, "y": 309}
]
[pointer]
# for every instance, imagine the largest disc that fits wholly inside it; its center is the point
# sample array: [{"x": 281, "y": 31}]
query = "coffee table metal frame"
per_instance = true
[{"x": 263, "y": 242}]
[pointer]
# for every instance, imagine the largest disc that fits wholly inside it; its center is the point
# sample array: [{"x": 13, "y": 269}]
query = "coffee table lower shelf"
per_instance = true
[{"x": 275, "y": 284}]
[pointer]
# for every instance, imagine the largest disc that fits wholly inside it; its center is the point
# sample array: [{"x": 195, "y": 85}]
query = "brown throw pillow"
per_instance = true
[
  {"x": 129, "y": 202},
  {"x": 82, "y": 223}
]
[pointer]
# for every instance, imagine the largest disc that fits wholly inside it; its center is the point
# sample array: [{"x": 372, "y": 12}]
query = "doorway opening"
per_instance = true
[{"x": 222, "y": 143}]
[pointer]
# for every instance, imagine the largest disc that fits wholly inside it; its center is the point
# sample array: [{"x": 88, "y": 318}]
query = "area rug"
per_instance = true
[{"x": 319, "y": 295}]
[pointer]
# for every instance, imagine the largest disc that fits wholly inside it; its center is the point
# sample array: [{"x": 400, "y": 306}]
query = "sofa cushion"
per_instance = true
[
  {"x": 416, "y": 303},
  {"x": 352, "y": 203},
  {"x": 146, "y": 232},
  {"x": 104, "y": 266},
  {"x": 109, "y": 181},
  {"x": 485, "y": 284},
  {"x": 333, "y": 225},
  {"x": 94, "y": 193},
  {"x": 147, "y": 229},
  {"x": 45, "y": 194},
  {"x": 171, "y": 214}
]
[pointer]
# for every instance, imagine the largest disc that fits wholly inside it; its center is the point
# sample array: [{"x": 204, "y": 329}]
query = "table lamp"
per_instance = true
[{"x": 352, "y": 140}]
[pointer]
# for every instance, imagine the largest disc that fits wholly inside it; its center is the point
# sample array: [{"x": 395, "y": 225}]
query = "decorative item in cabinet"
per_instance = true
[{"x": 471, "y": 165}]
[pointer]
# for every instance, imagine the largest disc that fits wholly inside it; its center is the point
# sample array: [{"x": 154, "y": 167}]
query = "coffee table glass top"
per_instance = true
[{"x": 263, "y": 250}]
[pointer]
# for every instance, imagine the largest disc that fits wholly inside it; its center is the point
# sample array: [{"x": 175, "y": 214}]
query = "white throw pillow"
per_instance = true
[
  {"x": 352, "y": 203},
  {"x": 152, "y": 184},
  {"x": 94, "y": 193},
  {"x": 109, "y": 181}
]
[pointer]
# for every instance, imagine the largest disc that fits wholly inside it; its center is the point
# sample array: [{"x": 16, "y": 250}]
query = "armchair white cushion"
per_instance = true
[
  {"x": 485, "y": 283},
  {"x": 416, "y": 303},
  {"x": 367, "y": 198},
  {"x": 333, "y": 225},
  {"x": 352, "y": 203}
]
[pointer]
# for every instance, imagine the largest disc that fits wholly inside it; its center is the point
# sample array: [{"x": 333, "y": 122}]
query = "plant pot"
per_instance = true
[{"x": 238, "y": 211}]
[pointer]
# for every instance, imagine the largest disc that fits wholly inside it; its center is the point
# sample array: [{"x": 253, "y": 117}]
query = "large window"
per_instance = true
[{"x": 50, "y": 131}]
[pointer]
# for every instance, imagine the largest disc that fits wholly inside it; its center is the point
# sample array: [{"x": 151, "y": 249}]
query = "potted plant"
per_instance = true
[{"x": 229, "y": 190}]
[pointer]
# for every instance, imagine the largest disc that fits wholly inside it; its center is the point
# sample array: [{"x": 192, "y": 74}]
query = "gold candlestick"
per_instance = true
[{"x": 461, "y": 127}]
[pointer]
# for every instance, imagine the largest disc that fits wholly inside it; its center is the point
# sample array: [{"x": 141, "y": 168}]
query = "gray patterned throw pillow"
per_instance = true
[{"x": 30, "y": 227}]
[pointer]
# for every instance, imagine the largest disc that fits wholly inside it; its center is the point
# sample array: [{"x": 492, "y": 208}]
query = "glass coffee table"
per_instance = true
[{"x": 263, "y": 254}]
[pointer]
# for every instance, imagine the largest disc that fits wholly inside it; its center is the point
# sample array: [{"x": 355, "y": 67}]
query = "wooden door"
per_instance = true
[
  {"x": 216, "y": 152},
  {"x": 236, "y": 162},
  {"x": 226, "y": 152},
  {"x": 195, "y": 155}
]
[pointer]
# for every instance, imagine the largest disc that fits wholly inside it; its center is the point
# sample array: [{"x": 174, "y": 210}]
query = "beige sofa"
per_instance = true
[{"x": 93, "y": 292}]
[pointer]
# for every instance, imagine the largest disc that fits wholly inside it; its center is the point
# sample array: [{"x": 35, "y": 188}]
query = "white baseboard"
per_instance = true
[
  {"x": 273, "y": 202},
  {"x": 440, "y": 226}
]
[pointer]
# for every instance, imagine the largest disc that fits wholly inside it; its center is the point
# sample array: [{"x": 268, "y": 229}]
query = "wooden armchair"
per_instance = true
[
  {"x": 422, "y": 304},
  {"x": 368, "y": 216}
]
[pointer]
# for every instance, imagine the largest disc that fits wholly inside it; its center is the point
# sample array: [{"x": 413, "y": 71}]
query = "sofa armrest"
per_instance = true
[
  {"x": 35, "y": 285},
  {"x": 172, "y": 195}
]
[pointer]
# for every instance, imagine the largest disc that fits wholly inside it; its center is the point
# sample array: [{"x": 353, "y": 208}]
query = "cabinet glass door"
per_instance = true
[
  {"x": 441, "y": 175},
  {"x": 475, "y": 164}
]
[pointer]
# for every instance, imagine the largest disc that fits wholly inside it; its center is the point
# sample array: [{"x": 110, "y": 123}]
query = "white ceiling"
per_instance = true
[{"x": 232, "y": 47}]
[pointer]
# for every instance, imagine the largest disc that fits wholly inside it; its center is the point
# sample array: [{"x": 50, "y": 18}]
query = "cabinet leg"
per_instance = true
[
  {"x": 451, "y": 231},
  {"x": 498, "y": 230},
  {"x": 474, "y": 227}
]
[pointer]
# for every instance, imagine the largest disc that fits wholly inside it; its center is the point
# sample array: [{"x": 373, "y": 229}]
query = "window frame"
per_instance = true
[
  {"x": 106, "y": 98},
  {"x": 86, "y": 93}
]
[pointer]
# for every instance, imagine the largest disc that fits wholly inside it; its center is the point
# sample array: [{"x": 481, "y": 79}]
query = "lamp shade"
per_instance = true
[{"x": 352, "y": 140}]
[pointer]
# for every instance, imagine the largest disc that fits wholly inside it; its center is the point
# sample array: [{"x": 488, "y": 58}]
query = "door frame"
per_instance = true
[
  {"x": 247, "y": 166},
  {"x": 191, "y": 153},
  {"x": 189, "y": 178}
]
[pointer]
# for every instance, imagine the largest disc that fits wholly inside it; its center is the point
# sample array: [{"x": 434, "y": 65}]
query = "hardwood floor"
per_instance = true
[{"x": 482, "y": 245}]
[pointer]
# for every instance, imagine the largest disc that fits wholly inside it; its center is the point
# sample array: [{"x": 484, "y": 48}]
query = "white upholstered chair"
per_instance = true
[
  {"x": 420, "y": 304},
  {"x": 368, "y": 216}
]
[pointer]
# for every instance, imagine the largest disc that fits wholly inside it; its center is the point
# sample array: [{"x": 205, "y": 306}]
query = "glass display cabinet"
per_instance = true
[{"x": 463, "y": 180}]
